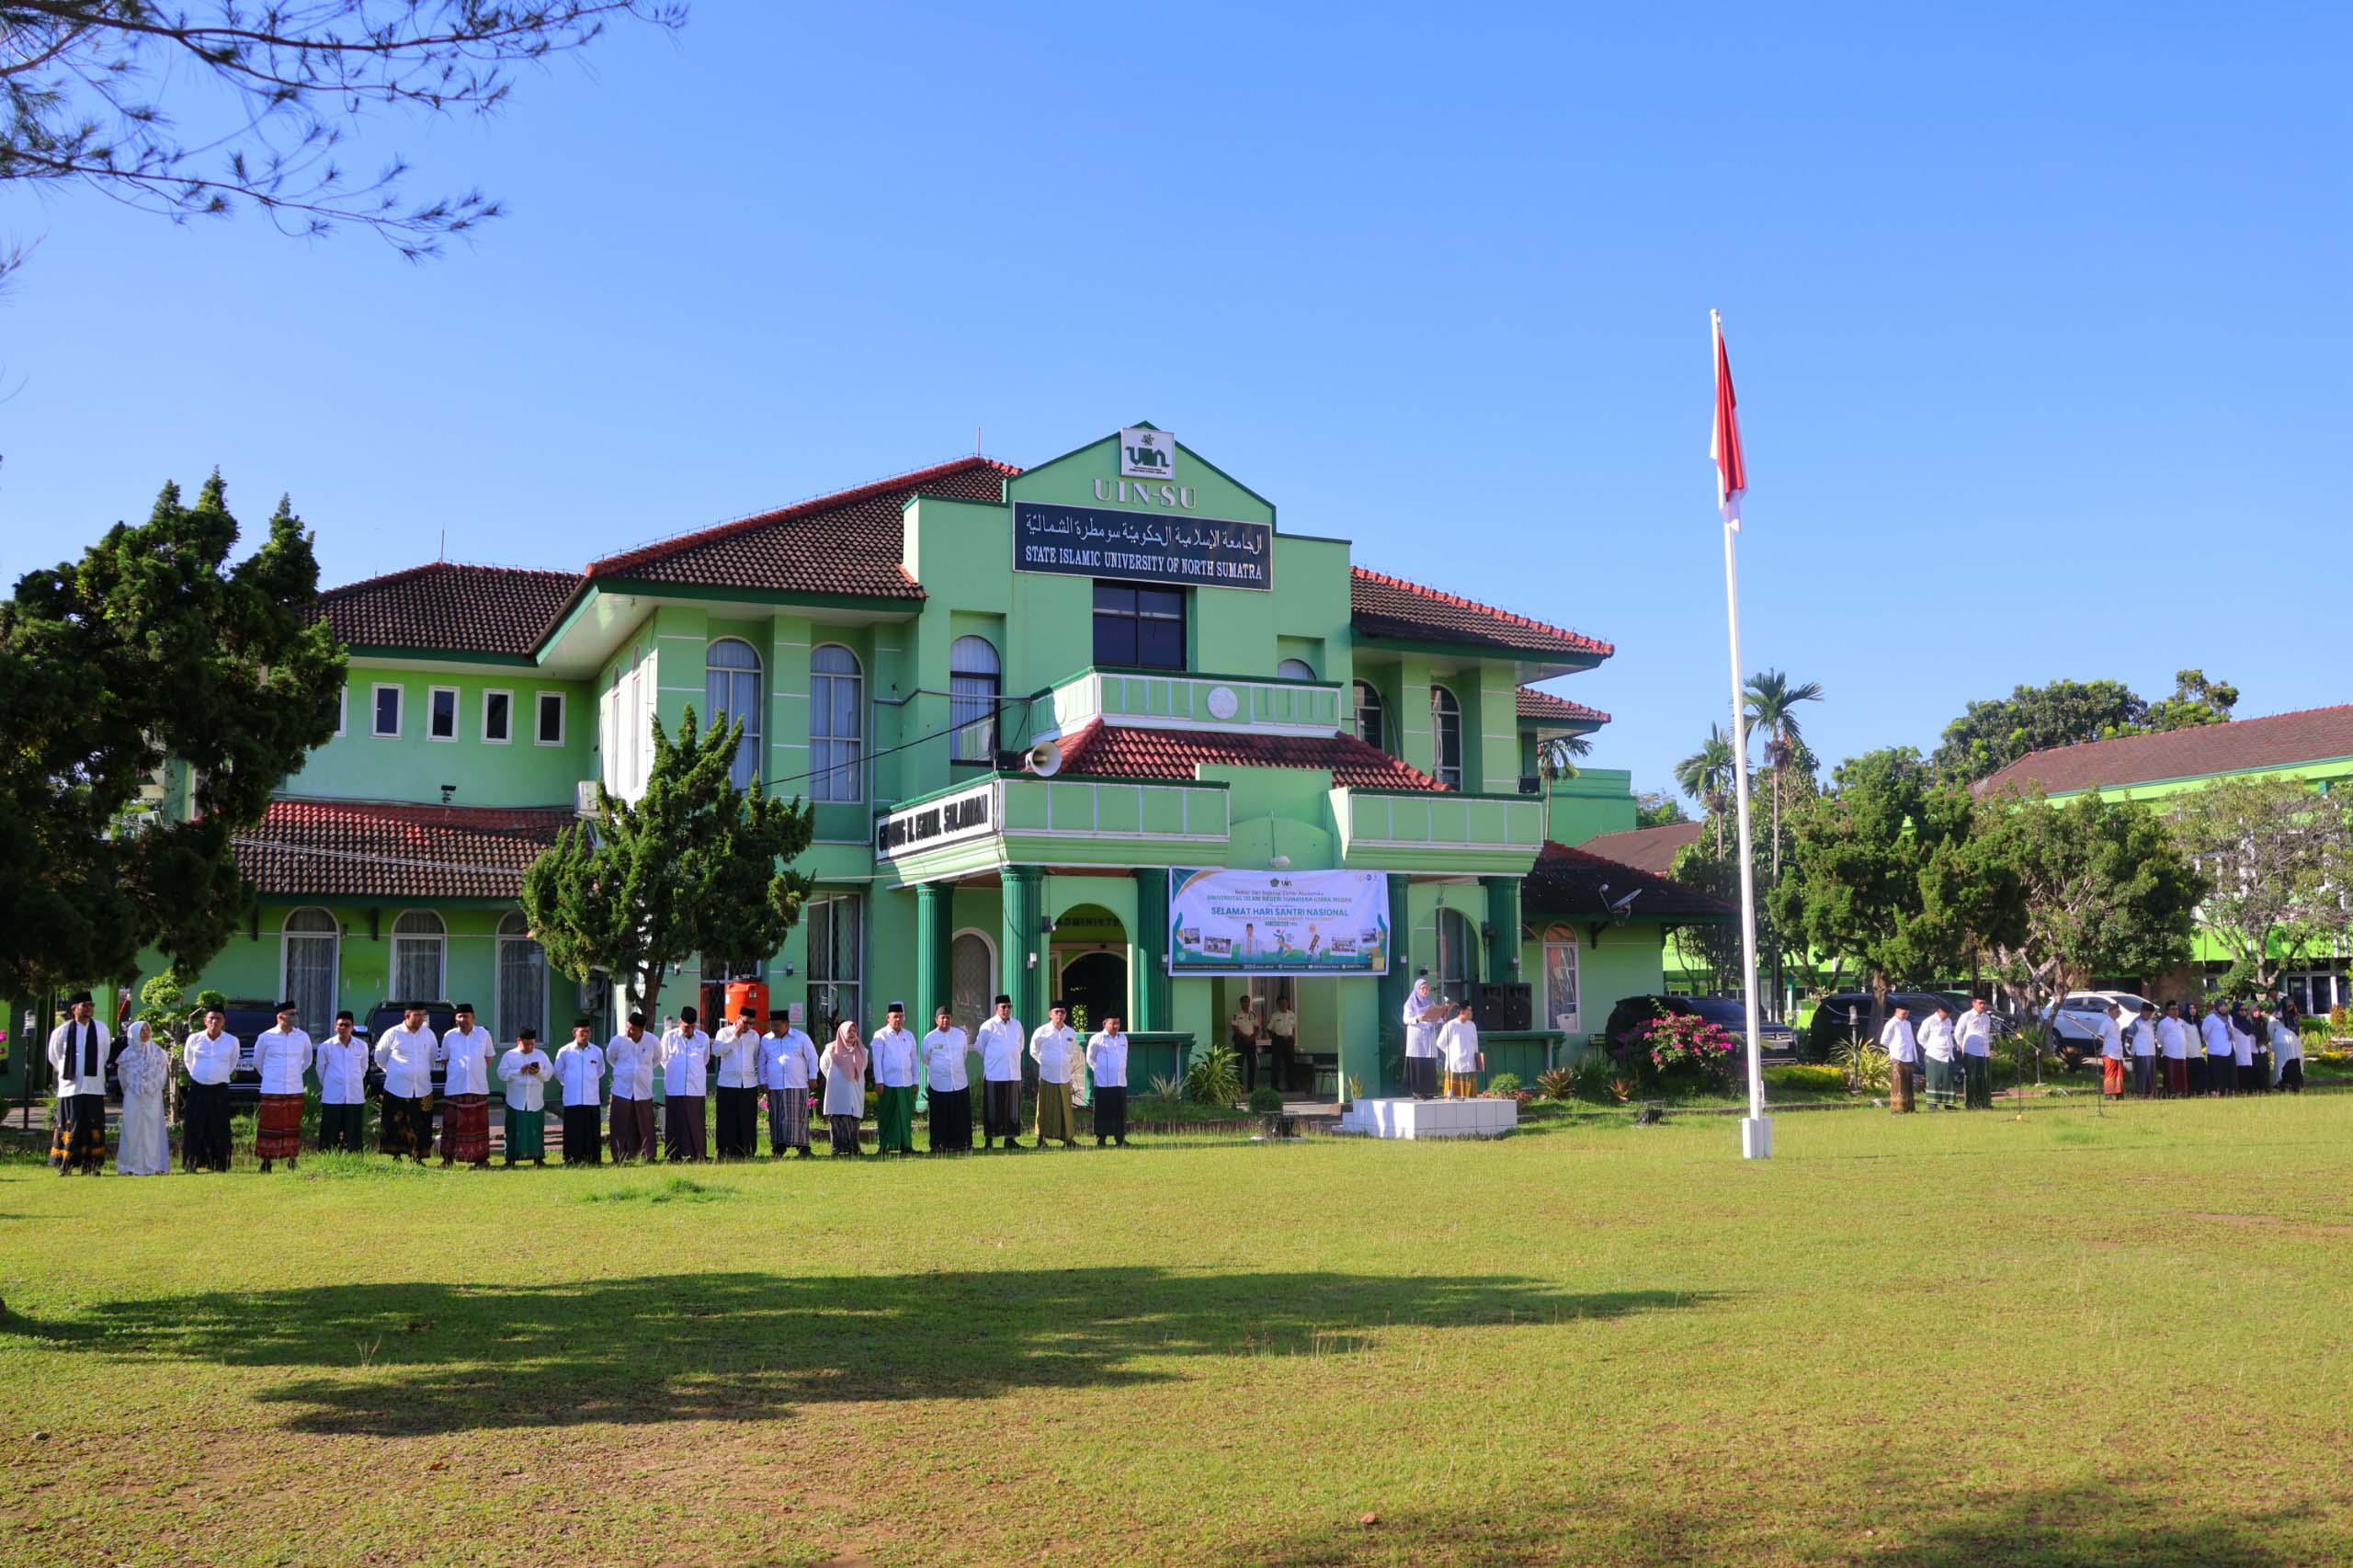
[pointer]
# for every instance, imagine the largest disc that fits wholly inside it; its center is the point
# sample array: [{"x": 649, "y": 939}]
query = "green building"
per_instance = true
[{"x": 1064, "y": 731}]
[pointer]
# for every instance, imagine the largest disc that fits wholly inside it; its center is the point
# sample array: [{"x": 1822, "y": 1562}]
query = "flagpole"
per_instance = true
[{"x": 1756, "y": 1130}]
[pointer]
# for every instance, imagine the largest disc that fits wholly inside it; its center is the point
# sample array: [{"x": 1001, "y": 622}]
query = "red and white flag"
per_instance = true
[{"x": 1732, "y": 473}]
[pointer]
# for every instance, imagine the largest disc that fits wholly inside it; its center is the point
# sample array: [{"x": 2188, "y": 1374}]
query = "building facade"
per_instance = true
[{"x": 1033, "y": 711}]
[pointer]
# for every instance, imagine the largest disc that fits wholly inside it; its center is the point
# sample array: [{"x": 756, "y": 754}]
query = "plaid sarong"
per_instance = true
[
  {"x": 277, "y": 1130},
  {"x": 465, "y": 1129},
  {"x": 788, "y": 1119}
]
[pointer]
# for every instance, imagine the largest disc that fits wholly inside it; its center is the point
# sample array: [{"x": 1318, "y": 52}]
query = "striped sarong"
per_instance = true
[
  {"x": 277, "y": 1130},
  {"x": 465, "y": 1129},
  {"x": 1942, "y": 1090}
]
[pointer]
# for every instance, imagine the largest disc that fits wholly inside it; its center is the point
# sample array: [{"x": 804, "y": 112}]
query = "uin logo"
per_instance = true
[{"x": 1147, "y": 454}]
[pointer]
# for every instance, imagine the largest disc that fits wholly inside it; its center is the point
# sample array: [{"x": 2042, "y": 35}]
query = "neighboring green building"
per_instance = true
[{"x": 1239, "y": 712}]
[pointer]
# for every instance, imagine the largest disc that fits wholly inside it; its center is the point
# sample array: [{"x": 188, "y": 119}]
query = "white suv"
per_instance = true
[{"x": 2081, "y": 1013}]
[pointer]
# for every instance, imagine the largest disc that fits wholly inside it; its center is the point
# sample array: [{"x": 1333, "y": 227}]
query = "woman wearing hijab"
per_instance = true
[
  {"x": 143, "y": 1069},
  {"x": 844, "y": 1065},
  {"x": 1423, "y": 1015}
]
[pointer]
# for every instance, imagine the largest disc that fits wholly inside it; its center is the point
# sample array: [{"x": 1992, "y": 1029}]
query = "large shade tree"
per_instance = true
[
  {"x": 153, "y": 646},
  {"x": 2280, "y": 855},
  {"x": 1991, "y": 735},
  {"x": 695, "y": 865}
]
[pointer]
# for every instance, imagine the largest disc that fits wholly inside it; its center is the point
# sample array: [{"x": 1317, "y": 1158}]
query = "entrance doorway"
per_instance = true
[
  {"x": 1095, "y": 984},
  {"x": 1262, "y": 1020}
]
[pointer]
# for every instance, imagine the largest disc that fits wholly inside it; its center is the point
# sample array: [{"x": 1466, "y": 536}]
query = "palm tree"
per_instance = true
[
  {"x": 1772, "y": 703},
  {"x": 1556, "y": 756},
  {"x": 1705, "y": 775}
]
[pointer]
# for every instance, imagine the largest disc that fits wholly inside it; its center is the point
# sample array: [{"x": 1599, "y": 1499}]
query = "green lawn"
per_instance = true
[{"x": 2065, "y": 1337}]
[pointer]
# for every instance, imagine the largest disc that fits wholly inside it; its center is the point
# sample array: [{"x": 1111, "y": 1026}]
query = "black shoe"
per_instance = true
[
  {"x": 264, "y": 1167},
  {"x": 1122, "y": 1143},
  {"x": 1098, "y": 1142}
]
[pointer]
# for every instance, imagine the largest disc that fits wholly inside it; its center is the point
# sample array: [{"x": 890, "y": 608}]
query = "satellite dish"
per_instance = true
[{"x": 1044, "y": 759}]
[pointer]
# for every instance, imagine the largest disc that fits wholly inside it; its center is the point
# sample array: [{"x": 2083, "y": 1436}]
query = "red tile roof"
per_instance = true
[
  {"x": 849, "y": 542},
  {"x": 1391, "y": 606},
  {"x": 2282, "y": 740},
  {"x": 1544, "y": 706},
  {"x": 1579, "y": 883},
  {"x": 449, "y": 606},
  {"x": 1111, "y": 751},
  {"x": 368, "y": 849},
  {"x": 1651, "y": 849}
]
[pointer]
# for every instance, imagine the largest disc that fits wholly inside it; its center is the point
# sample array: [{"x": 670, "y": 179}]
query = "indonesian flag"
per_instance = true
[{"x": 1732, "y": 474}]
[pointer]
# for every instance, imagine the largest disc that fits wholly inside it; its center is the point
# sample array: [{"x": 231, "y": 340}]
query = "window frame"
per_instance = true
[
  {"x": 342, "y": 708},
  {"x": 1136, "y": 616},
  {"x": 1450, "y": 777},
  {"x": 439, "y": 938},
  {"x": 508, "y": 738},
  {"x": 970, "y": 741},
  {"x": 1281, "y": 673},
  {"x": 823, "y": 774},
  {"x": 538, "y": 714},
  {"x": 501, "y": 940},
  {"x": 288, "y": 936},
  {"x": 1359, "y": 690},
  {"x": 456, "y": 713},
  {"x": 754, "y": 735},
  {"x": 1556, "y": 937},
  {"x": 376, "y": 730}
]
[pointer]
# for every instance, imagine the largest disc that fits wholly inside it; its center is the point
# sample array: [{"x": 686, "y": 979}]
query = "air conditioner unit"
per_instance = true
[
  {"x": 583, "y": 798},
  {"x": 1531, "y": 783}
]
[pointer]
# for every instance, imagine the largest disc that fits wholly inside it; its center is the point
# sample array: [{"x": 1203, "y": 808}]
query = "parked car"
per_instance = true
[
  {"x": 440, "y": 1017},
  {"x": 2074, "y": 1026},
  {"x": 1848, "y": 1013},
  {"x": 1727, "y": 1012}
]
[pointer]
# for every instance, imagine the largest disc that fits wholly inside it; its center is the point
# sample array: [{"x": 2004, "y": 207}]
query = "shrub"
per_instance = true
[
  {"x": 1813, "y": 1079},
  {"x": 1266, "y": 1102},
  {"x": 1863, "y": 1061},
  {"x": 1559, "y": 1083},
  {"x": 1213, "y": 1078},
  {"x": 1504, "y": 1085},
  {"x": 1681, "y": 1048},
  {"x": 1164, "y": 1087},
  {"x": 2340, "y": 1019}
]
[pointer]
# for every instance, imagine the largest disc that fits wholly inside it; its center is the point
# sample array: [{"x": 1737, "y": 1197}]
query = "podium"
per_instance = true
[{"x": 1431, "y": 1118}]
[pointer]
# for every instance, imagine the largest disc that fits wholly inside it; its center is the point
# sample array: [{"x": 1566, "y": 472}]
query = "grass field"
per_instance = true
[{"x": 1940, "y": 1340}]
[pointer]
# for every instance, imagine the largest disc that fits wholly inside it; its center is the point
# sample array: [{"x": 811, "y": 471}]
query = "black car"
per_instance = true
[
  {"x": 440, "y": 1017},
  {"x": 1848, "y": 1013},
  {"x": 1728, "y": 1013}
]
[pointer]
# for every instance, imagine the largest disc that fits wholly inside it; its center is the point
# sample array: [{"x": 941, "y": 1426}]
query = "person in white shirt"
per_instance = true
[
  {"x": 2242, "y": 1051},
  {"x": 632, "y": 1055},
  {"x": 2287, "y": 1054},
  {"x": 788, "y": 1063},
  {"x": 2111, "y": 1053},
  {"x": 2259, "y": 1049},
  {"x": 737, "y": 1134},
  {"x": 1243, "y": 1031},
  {"x": 2143, "y": 1042},
  {"x": 209, "y": 1058},
  {"x": 341, "y": 1061},
  {"x": 686, "y": 1069},
  {"x": 78, "y": 1051},
  {"x": 2216, "y": 1031},
  {"x": 1053, "y": 1045},
  {"x": 1458, "y": 1047},
  {"x": 1421, "y": 1017},
  {"x": 524, "y": 1072},
  {"x": 1903, "y": 1049},
  {"x": 468, "y": 1053},
  {"x": 1973, "y": 1035},
  {"x": 144, "y": 1070},
  {"x": 893, "y": 1053},
  {"x": 1107, "y": 1059},
  {"x": 1000, "y": 1043},
  {"x": 405, "y": 1054},
  {"x": 1283, "y": 1027},
  {"x": 580, "y": 1068},
  {"x": 950, "y": 1118},
  {"x": 843, "y": 1064},
  {"x": 2172, "y": 1039},
  {"x": 1936, "y": 1051},
  {"x": 281, "y": 1055}
]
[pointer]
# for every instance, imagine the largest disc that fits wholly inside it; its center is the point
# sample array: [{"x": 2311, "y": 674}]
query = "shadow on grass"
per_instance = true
[{"x": 419, "y": 1358}]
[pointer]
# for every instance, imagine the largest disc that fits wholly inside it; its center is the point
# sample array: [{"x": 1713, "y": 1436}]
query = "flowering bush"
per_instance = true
[{"x": 1682, "y": 1048}]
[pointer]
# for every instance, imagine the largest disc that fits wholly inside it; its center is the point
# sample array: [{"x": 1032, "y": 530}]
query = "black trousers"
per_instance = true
[
  {"x": 2292, "y": 1075},
  {"x": 204, "y": 1126},
  {"x": 1001, "y": 1108},
  {"x": 1245, "y": 1052},
  {"x": 582, "y": 1146},
  {"x": 2262, "y": 1073},
  {"x": 2221, "y": 1073},
  {"x": 737, "y": 1135},
  {"x": 1421, "y": 1077},
  {"x": 339, "y": 1127},
  {"x": 951, "y": 1121},
  {"x": 1111, "y": 1112},
  {"x": 1285, "y": 1053}
]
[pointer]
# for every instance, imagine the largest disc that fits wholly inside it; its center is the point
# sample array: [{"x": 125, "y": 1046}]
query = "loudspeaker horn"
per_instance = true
[{"x": 1044, "y": 759}]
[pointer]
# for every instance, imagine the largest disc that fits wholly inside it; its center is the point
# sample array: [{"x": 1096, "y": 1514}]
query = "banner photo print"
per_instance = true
[{"x": 1299, "y": 923}]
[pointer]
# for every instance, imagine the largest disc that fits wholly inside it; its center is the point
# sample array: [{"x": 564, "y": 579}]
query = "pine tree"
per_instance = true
[{"x": 695, "y": 865}]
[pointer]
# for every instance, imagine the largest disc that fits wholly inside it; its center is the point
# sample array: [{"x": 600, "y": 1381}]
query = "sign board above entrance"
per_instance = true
[
  {"x": 1304, "y": 923},
  {"x": 1084, "y": 542},
  {"x": 911, "y": 830}
]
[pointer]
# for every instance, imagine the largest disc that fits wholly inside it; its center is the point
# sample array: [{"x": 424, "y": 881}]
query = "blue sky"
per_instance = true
[{"x": 2038, "y": 319}]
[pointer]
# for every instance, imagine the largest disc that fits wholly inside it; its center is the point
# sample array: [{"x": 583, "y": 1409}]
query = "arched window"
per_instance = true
[
  {"x": 975, "y": 680},
  {"x": 732, "y": 692},
  {"x": 1294, "y": 669},
  {"x": 1369, "y": 729},
  {"x": 420, "y": 955},
  {"x": 308, "y": 964},
  {"x": 1458, "y": 955},
  {"x": 837, "y": 725},
  {"x": 522, "y": 979},
  {"x": 972, "y": 978},
  {"x": 1560, "y": 981},
  {"x": 1446, "y": 737}
]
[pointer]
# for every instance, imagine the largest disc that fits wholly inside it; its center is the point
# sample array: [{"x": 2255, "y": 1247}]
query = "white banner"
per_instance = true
[{"x": 1299, "y": 923}]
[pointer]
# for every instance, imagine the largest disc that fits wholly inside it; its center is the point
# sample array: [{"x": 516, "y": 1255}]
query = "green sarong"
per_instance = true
[
  {"x": 1055, "y": 1119},
  {"x": 894, "y": 1118},
  {"x": 1943, "y": 1090},
  {"x": 527, "y": 1134},
  {"x": 1979, "y": 1082}
]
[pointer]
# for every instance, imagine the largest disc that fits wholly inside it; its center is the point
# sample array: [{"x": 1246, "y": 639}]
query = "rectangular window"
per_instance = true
[
  {"x": 1139, "y": 627},
  {"x": 497, "y": 717},
  {"x": 442, "y": 717},
  {"x": 342, "y": 708},
  {"x": 388, "y": 713},
  {"x": 834, "y": 967},
  {"x": 551, "y": 730}
]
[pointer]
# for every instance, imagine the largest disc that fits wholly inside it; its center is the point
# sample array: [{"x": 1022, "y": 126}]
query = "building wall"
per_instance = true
[{"x": 359, "y": 764}]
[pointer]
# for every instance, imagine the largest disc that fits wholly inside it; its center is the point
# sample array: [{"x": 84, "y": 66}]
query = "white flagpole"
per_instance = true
[{"x": 1756, "y": 1130}]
